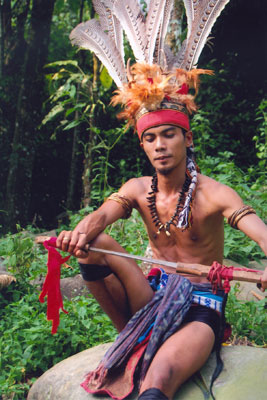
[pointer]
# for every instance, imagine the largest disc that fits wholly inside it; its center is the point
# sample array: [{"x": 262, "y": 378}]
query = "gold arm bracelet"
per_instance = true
[
  {"x": 126, "y": 204},
  {"x": 238, "y": 215}
]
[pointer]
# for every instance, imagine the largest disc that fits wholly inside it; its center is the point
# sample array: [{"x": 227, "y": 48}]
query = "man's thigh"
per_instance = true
[{"x": 180, "y": 357}]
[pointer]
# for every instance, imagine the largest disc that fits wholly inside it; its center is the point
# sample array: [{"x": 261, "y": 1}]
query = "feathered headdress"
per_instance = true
[
  {"x": 154, "y": 97},
  {"x": 159, "y": 80},
  {"x": 155, "y": 90}
]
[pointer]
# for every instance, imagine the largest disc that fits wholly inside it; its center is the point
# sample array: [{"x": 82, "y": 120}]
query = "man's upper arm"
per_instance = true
[
  {"x": 117, "y": 205},
  {"x": 250, "y": 224},
  {"x": 226, "y": 199},
  {"x": 132, "y": 189}
]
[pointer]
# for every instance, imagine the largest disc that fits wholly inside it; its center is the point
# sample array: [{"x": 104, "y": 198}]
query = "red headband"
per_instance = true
[{"x": 162, "y": 117}]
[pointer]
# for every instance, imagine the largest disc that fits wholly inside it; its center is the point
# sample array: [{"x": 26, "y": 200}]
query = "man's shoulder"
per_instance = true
[
  {"x": 207, "y": 184},
  {"x": 217, "y": 193},
  {"x": 136, "y": 186}
]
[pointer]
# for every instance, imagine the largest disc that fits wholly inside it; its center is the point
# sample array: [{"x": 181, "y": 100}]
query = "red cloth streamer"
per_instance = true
[
  {"x": 219, "y": 273},
  {"x": 51, "y": 287}
]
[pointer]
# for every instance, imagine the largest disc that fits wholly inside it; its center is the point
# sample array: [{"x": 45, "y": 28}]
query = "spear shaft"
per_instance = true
[{"x": 185, "y": 268}]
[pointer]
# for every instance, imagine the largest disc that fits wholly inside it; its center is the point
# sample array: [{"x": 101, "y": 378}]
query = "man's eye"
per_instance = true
[{"x": 149, "y": 139}]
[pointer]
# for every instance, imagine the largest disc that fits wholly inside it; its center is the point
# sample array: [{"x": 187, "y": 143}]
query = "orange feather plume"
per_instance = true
[{"x": 149, "y": 86}]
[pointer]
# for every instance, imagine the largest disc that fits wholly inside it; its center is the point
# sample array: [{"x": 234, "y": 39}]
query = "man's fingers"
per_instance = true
[
  {"x": 78, "y": 242},
  {"x": 63, "y": 240},
  {"x": 82, "y": 241},
  {"x": 73, "y": 242},
  {"x": 80, "y": 253}
]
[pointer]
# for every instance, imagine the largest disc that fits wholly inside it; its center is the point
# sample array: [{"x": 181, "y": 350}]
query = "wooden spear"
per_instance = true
[{"x": 246, "y": 275}]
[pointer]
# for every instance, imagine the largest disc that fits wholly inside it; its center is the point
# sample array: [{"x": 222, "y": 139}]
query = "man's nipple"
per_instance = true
[{"x": 193, "y": 237}]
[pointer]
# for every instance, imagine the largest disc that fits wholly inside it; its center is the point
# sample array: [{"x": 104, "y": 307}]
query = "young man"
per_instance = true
[{"x": 125, "y": 291}]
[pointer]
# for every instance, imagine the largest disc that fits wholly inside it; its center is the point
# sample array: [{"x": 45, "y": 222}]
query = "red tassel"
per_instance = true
[
  {"x": 51, "y": 286},
  {"x": 184, "y": 89}
]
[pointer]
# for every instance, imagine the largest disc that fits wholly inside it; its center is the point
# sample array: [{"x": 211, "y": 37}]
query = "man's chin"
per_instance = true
[{"x": 164, "y": 171}]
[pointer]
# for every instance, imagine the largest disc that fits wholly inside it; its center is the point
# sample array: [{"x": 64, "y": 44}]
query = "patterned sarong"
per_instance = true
[{"x": 165, "y": 313}]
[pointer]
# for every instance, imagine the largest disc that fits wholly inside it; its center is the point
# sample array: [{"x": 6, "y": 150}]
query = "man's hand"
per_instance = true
[
  {"x": 74, "y": 241},
  {"x": 89, "y": 228}
]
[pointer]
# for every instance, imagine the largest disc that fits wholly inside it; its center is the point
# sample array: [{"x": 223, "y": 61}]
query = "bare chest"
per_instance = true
[{"x": 201, "y": 243}]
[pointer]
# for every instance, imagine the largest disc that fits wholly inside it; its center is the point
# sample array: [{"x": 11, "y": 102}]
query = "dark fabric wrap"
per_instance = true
[{"x": 94, "y": 272}]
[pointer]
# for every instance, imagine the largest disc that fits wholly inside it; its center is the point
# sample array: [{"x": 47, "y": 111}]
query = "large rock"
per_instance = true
[
  {"x": 72, "y": 287},
  {"x": 243, "y": 378}
]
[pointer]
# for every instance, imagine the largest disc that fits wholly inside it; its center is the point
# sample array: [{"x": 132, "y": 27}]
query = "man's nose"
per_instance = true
[{"x": 160, "y": 144}]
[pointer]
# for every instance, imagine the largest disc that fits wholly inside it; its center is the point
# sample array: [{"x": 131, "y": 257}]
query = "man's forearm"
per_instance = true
[
  {"x": 91, "y": 225},
  {"x": 89, "y": 228}
]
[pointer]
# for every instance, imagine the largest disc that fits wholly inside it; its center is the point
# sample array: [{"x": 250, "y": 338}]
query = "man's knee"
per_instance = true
[{"x": 102, "y": 241}]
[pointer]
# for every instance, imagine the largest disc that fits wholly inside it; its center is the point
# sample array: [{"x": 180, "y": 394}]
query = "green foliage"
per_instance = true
[
  {"x": 71, "y": 91},
  {"x": 261, "y": 138},
  {"x": 26, "y": 345},
  {"x": 248, "y": 319},
  {"x": 77, "y": 103},
  {"x": 26, "y": 260},
  {"x": 222, "y": 167},
  {"x": 101, "y": 166},
  {"x": 130, "y": 233},
  {"x": 232, "y": 116}
]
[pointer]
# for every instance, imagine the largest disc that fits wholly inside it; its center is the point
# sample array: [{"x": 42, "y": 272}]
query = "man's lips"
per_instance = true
[{"x": 162, "y": 158}]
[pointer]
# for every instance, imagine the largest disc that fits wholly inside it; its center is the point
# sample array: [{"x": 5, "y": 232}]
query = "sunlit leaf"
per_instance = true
[{"x": 105, "y": 78}]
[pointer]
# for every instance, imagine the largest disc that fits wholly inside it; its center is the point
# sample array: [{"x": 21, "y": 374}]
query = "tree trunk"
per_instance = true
[
  {"x": 27, "y": 118},
  {"x": 88, "y": 156},
  {"x": 70, "y": 202}
]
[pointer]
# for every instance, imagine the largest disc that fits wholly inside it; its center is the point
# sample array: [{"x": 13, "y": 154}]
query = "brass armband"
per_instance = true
[
  {"x": 238, "y": 215},
  {"x": 126, "y": 204}
]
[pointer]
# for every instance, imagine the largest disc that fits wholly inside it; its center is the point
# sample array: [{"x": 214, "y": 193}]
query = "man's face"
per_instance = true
[{"x": 165, "y": 147}]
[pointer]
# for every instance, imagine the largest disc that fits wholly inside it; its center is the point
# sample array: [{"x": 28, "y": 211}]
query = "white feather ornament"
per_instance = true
[
  {"x": 201, "y": 16},
  {"x": 88, "y": 35},
  {"x": 159, "y": 56},
  {"x": 153, "y": 24},
  {"x": 109, "y": 22},
  {"x": 132, "y": 21}
]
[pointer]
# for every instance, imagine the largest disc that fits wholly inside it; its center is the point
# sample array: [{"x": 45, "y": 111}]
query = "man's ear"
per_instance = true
[
  {"x": 142, "y": 145},
  {"x": 189, "y": 138}
]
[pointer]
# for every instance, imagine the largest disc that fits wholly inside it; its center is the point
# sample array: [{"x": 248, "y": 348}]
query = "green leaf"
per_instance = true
[
  {"x": 72, "y": 124},
  {"x": 52, "y": 114},
  {"x": 60, "y": 63},
  {"x": 105, "y": 78},
  {"x": 72, "y": 92}
]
